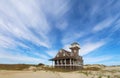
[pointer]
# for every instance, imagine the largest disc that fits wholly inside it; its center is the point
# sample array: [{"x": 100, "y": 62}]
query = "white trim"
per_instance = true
[
  {"x": 63, "y": 54},
  {"x": 70, "y": 61},
  {"x": 57, "y": 62},
  {"x": 61, "y": 62},
  {"x": 57, "y": 55}
]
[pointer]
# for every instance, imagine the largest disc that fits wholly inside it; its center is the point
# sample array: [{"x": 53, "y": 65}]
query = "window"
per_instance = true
[
  {"x": 64, "y": 61},
  {"x": 75, "y": 51},
  {"x": 57, "y": 55},
  {"x": 63, "y": 54}
]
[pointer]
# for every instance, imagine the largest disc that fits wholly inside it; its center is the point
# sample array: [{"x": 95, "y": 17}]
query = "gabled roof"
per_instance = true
[{"x": 63, "y": 54}]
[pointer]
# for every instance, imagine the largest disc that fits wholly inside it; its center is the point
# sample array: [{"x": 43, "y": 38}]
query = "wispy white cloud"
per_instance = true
[
  {"x": 66, "y": 47},
  {"x": 6, "y": 42},
  {"x": 117, "y": 26},
  {"x": 89, "y": 47},
  {"x": 18, "y": 16},
  {"x": 41, "y": 55},
  {"x": 27, "y": 20},
  {"x": 52, "y": 53},
  {"x": 71, "y": 37},
  {"x": 102, "y": 59},
  {"x": 62, "y": 25},
  {"x": 97, "y": 59},
  {"x": 104, "y": 24},
  {"x": 57, "y": 9},
  {"x": 111, "y": 63},
  {"x": 18, "y": 58},
  {"x": 108, "y": 18}
]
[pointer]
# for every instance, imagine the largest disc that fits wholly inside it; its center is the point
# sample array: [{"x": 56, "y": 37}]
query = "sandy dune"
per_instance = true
[
  {"x": 39, "y": 74},
  {"x": 108, "y": 72}
]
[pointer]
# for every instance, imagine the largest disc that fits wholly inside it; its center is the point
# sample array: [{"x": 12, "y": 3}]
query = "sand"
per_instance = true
[
  {"x": 39, "y": 74},
  {"x": 108, "y": 72}
]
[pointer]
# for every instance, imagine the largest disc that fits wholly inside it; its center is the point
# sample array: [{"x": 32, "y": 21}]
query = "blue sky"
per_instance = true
[{"x": 33, "y": 31}]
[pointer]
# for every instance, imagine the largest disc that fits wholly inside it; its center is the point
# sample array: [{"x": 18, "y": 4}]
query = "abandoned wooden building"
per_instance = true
[{"x": 69, "y": 60}]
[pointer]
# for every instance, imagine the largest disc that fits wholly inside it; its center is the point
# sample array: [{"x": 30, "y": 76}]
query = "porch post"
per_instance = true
[
  {"x": 65, "y": 63},
  {"x": 57, "y": 63},
  {"x": 70, "y": 63},
  {"x": 60, "y": 62},
  {"x": 52, "y": 64},
  {"x": 73, "y": 64}
]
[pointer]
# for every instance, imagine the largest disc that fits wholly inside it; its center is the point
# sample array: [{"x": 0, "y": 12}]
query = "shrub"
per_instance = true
[{"x": 92, "y": 68}]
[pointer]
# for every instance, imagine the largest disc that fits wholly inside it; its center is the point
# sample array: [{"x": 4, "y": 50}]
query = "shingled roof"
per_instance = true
[{"x": 63, "y": 54}]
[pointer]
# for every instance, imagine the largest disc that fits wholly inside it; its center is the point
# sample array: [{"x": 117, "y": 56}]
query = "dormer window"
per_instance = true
[
  {"x": 63, "y": 54},
  {"x": 57, "y": 55}
]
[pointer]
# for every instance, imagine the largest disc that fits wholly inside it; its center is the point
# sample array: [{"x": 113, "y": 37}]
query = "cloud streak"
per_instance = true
[
  {"x": 89, "y": 47},
  {"x": 19, "y": 27},
  {"x": 25, "y": 23},
  {"x": 17, "y": 58},
  {"x": 97, "y": 59}
]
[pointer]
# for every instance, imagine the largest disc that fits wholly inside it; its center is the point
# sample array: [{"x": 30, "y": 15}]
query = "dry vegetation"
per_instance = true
[
  {"x": 89, "y": 71},
  {"x": 14, "y": 66}
]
